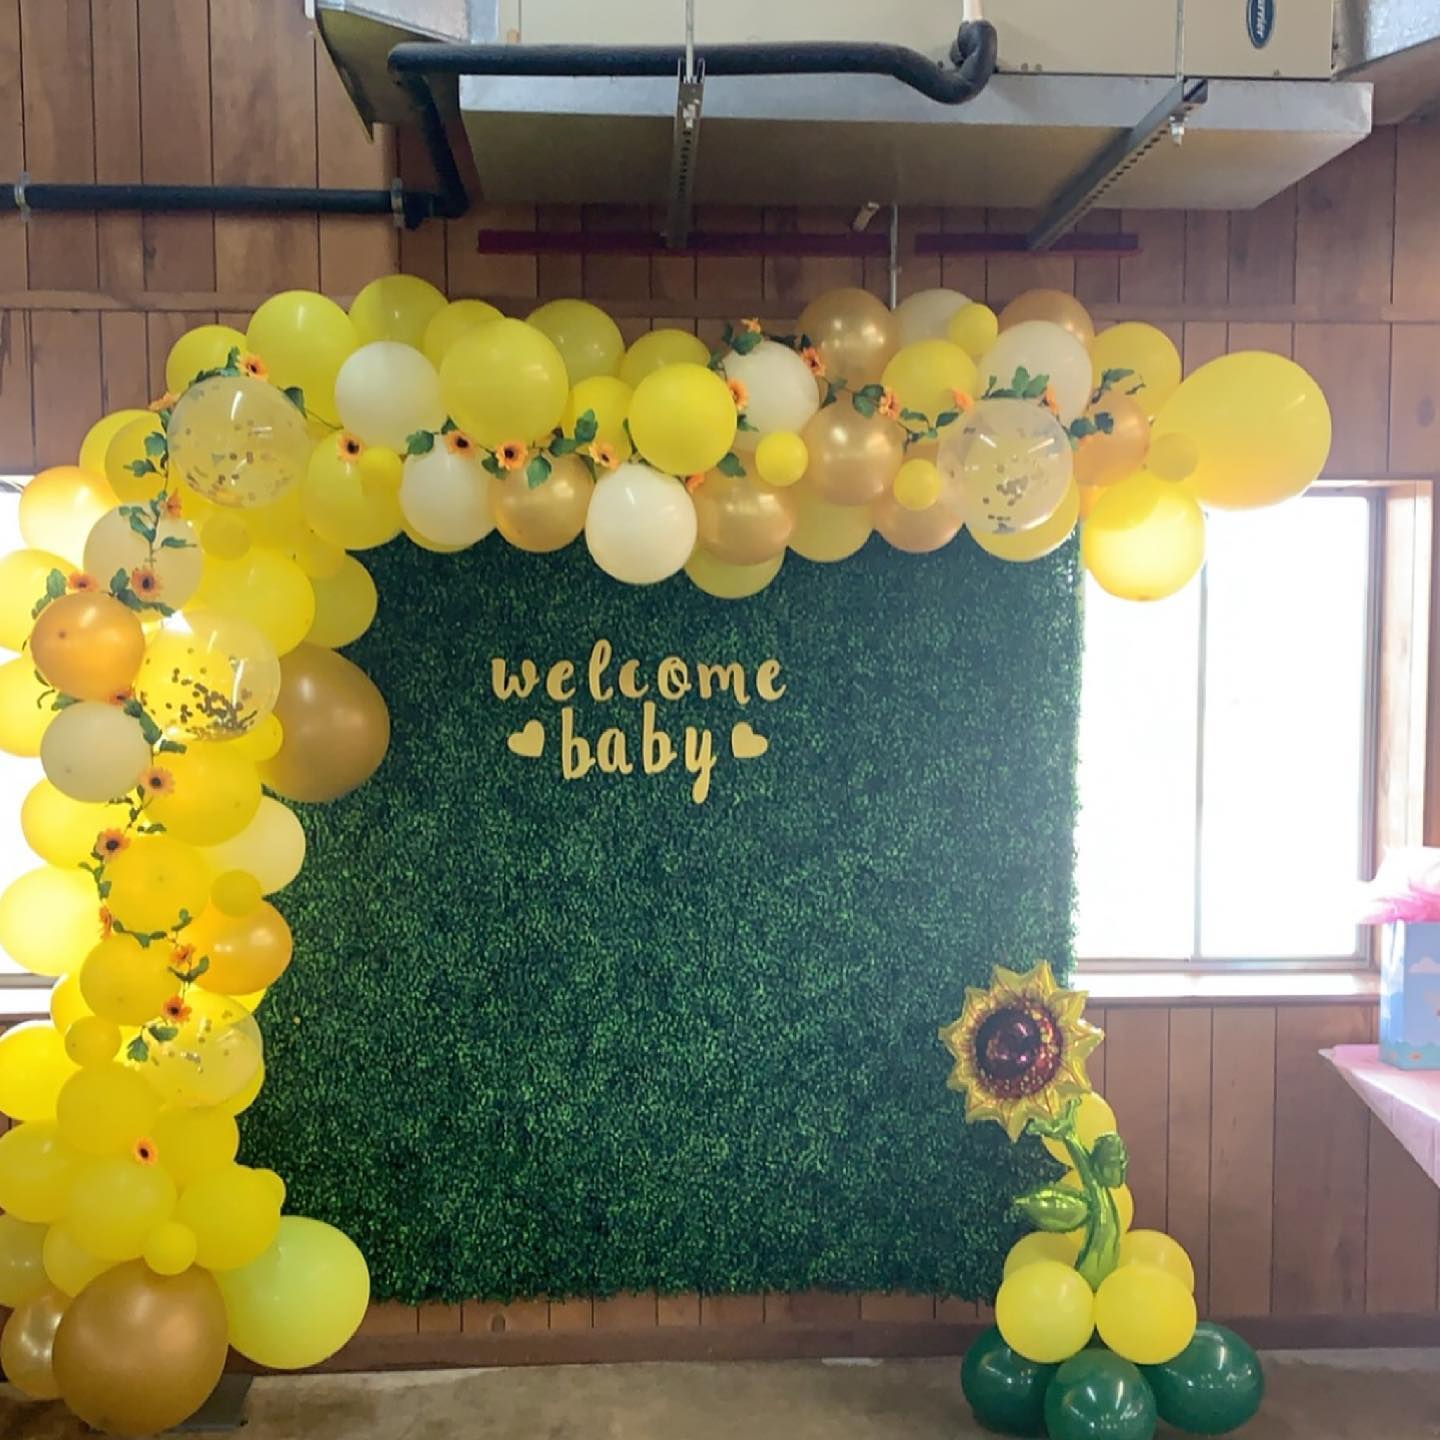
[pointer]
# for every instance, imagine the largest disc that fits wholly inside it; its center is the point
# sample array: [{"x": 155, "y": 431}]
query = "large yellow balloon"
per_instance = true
[
  {"x": 448, "y": 325},
  {"x": 1154, "y": 1247},
  {"x": 125, "y": 982},
  {"x": 929, "y": 375},
  {"x": 132, "y": 467},
  {"x": 395, "y": 307},
  {"x": 345, "y": 605},
  {"x": 25, "y": 712},
  {"x": 27, "y": 1344},
  {"x": 1045, "y": 1311},
  {"x": 1145, "y": 538},
  {"x": 115, "y": 1202},
  {"x": 58, "y": 507},
  {"x": 206, "y": 347},
  {"x": 1261, "y": 427},
  {"x": 1046, "y": 537},
  {"x": 266, "y": 588},
  {"x": 105, "y": 1109},
  {"x": 608, "y": 400},
  {"x": 234, "y": 1213},
  {"x": 731, "y": 582},
  {"x": 300, "y": 1301},
  {"x": 1144, "y": 1314},
  {"x": 588, "y": 340},
  {"x": 88, "y": 645},
  {"x": 22, "y": 1267},
  {"x": 48, "y": 919},
  {"x": 33, "y": 1067},
  {"x": 23, "y": 574},
  {"x": 68, "y": 1266},
  {"x": 505, "y": 381},
  {"x": 98, "y": 437},
  {"x": 37, "y": 1170},
  {"x": 155, "y": 882},
  {"x": 682, "y": 419},
  {"x": 271, "y": 848},
  {"x": 215, "y": 794},
  {"x": 1147, "y": 353},
  {"x": 191, "y": 1142},
  {"x": 304, "y": 339},
  {"x": 344, "y": 502},
  {"x": 658, "y": 348},
  {"x": 825, "y": 532},
  {"x": 1093, "y": 1119}
]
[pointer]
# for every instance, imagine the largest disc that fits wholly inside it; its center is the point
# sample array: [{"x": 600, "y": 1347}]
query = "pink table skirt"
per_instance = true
[{"x": 1406, "y": 1101}]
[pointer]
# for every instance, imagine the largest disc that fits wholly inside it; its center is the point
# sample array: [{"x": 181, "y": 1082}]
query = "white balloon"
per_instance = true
[
  {"x": 271, "y": 847},
  {"x": 94, "y": 751},
  {"x": 1006, "y": 466},
  {"x": 926, "y": 315},
  {"x": 113, "y": 545},
  {"x": 387, "y": 391},
  {"x": 445, "y": 498},
  {"x": 782, "y": 391},
  {"x": 1042, "y": 348},
  {"x": 641, "y": 526}
]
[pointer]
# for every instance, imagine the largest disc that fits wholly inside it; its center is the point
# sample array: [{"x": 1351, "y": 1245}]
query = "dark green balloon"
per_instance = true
[
  {"x": 1213, "y": 1385},
  {"x": 1005, "y": 1390},
  {"x": 1098, "y": 1396}
]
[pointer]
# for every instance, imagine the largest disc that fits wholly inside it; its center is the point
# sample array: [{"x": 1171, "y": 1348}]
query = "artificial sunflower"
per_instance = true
[
  {"x": 1020, "y": 1048},
  {"x": 145, "y": 582},
  {"x": 172, "y": 506},
  {"x": 176, "y": 1010},
  {"x": 813, "y": 361},
  {"x": 163, "y": 402},
  {"x": 457, "y": 442},
  {"x": 964, "y": 402},
  {"x": 739, "y": 393},
  {"x": 349, "y": 446},
  {"x": 889, "y": 405},
  {"x": 156, "y": 780},
  {"x": 513, "y": 454},
  {"x": 144, "y": 1151},
  {"x": 603, "y": 454},
  {"x": 254, "y": 367},
  {"x": 109, "y": 843},
  {"x": 79, "y": 581}
]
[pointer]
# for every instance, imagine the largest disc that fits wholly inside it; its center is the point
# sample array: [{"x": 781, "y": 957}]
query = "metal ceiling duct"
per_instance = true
[{"x": 1395, "y": 45}]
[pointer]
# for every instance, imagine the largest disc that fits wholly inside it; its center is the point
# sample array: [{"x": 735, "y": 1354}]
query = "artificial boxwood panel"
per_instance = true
[{"x": 550, "y": 1037}]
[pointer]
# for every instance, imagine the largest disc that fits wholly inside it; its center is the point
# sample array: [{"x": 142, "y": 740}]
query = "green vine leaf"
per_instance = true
[
  {"x": 176, "y": 542},
  {"x": 422, "y": 442},
  {"x": 171, "y": 747},
  {"x": 537, "y": 472},
  {"x": 162, "y": 1033},
  {"x": 137, "y": 1050},
  {"x": 866, "y": 400},
  {"x": 296, "y": 396},
  {"x": 448, "y": 426},
  {"x": 564, "y": 445},
  {"x": 63, "y": 702},
  {"x": 732, "y": 466},
  {"x": 491, "y": 465},
  {"x": 746, "y": 341},
  {"x": 190, "y": 976},
  {"x": 587, "y": 427},
  {"x": 156, "y": 445},
  {"x": 142, "y": 467}
]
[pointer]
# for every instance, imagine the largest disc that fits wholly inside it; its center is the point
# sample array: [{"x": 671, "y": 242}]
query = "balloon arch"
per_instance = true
[{"x": 176, "y": 620}]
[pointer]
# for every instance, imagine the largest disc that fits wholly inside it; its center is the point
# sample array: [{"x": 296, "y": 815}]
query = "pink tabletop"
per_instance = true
[{"x": 1407, "y": 1101}]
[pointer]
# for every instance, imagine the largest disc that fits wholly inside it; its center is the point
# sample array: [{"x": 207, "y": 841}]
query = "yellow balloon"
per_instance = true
[
  {"x": 206, "y": 347},
  {"x": 278, "y": 524},
  {"x": 67, "y": 1005},
  {"x": 33, "y": 1067},
  {"x": 132, "y": 463},
  {"x": 928, "y": 376},
  {"x": 682, "y": 419},
  {"x": 245, "y": 1097},
  {"x": 1045, "y": 538},
  {"x": 781, "y": 458},
  {"x": 1175, "y": 457},
  {"x": 341, "y": 504},
  {"x": 22, "y": 1268},
  {"x": 235, "y": 893},
  {"x": 97, "y": 439},
  {"x": 396, "y": 307},
  {"x": 215, "y": 795},
  {"x": 974, "y": 328},
  {"x": 319, "y": 558},
  {"x": 1155, "y": 1248},
  {"x": 214, "y": 1058},
  {"x": 59, "y": 507},
  {"x": 170, "y": 1248},
  {"x": 304, "y": 339},
  {"x": 126, "y": 983},
  {"x": 23, "y": 574},
  {"x": 92, "y": 1040},
  {"x": 1145, "y": 538},
  {"x": 25, "y": 712},
  {"x": 1148, "y": 354},
  {"x": 63, "y": 831},
  {"x": 224, "y": 536},
  {"x": 234, "y": 1213},
  {"x": 1045, "y": 1311},
  {"x": 1093, "y": 1119},
  {"x": 105, "y": 1109},
  {"x": 345, "y": 605},
  {"x": 588, "y": 340},
  {"x": 1124, "y": 1200},
  {"x": 115, "y": 1202},
  {"x": 265, "y": 587},
  {"x": 1143, "y": 1314},
  {"x": 68, "y": 1266},
  {"x": 731, "y": 582},
  {"x": 1260, "y": 425},
  {"x": 505, "y": 382},
  {"x": 155, "y": 882},
  {"x": 262, "y": 741},
  {"x": 301, "y": 1300},
  {"x": 826, "y": 532},
  {"x": 608, "y": 400},
  {"x": 37, "y": 1170},
  {"x": 1042, "y": 1245},
  {"x": 448, "y": 325},
  {"x": 191, "y": 1142},
  {"x": 917, "y": 485},
  {"x": 658, "y": 348},
  {"x": 48, "y": 919}
]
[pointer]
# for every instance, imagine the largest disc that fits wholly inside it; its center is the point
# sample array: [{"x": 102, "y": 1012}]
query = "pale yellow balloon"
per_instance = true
[
  {"x": 446, "y": 326},
  {"x": 825, "y": 532},
  {"x": 396, "y": 307},
  {"x": 265, "y": 588},
  {"x": 49, "y": 919},
  {"x": 61, "y": 830},
  {"x": 1147, "y": 354},
  {"x": 974, "y": 329},
  {"x": 588, "y": 340},
  {"x": 1093, "y": 1118},
  {"x": 731, "y": 582},
  {"x": 345, "y": 605},
  {"x": 1044, "y": 1245},
  {"x": 59, "y": 507},
  {"x": 1145, "y": 538},
  {"x": 33, "y": 1068},
  {"x": 271, "y": 848},
  {"x": 115, "y": 1203},
  {"x": 206, "y": 347},
  {"x": 926, "y": 315},
  {"x": 658, "y": 348},
  {"x": 276, "y": 524},
  {"x": 67, "y": 1004},
  {"x": 134, "y": 464},
  {"x": 25, "y": 711},
  {"x": 386, "y": 392},
  {"x": 23, "y": 576},
  {"x": 171, "y": 566},
  {"x": 94, "y": 752},
  {"x": 1044, "y": 539},
  {"x": 98, "y": 437}
]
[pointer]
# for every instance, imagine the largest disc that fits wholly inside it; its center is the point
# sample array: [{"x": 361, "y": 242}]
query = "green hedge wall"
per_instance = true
[{"x": 575, "y": 1038}]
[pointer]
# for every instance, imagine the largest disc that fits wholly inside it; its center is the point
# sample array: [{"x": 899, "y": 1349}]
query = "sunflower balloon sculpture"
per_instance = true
[{"x": 1020, "y": 1049}]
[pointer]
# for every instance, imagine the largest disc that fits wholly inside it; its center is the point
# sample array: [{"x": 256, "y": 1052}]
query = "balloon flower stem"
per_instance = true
[{"x": 1100, "y": 1253}]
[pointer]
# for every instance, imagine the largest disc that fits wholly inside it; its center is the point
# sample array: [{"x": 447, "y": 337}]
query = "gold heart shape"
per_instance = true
[
  {"x": 528, "y": 742},
  {"x": 745, "y": 744}
]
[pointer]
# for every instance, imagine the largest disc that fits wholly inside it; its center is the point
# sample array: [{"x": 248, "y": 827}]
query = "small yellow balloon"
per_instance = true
[
  {"x": 48, "y": 919},
  {"x": 156, "y": 880},
  {"x": 170, "y": 1248},
  {"x": 59, "y": 507},
  {"x": 730, "y": 582},
  {"x": 67, "y": 1005},
  {"x": 608, "y": 400},
  {"x": 396, "y": 307},
  {"x": 266, "y": 588},
  {"x": 1044, "y": 539},
  {"x": 683, "y": 419},
  {"x": 25, "y": 712},
  {"x": 1144, "y": 1314},
  {"x": 588, "y": 340},
  {"x": 658, "y": 348},
  {"x": 214, "y": 793},
  {"x": 1042, "y": 1245},
  {"x": 781, "y": 458},
  {"x": 236, "y": 892},
  {"x": 115, "y": 1203},
  {"x": 125, "y": 983},
  {"x": 1045, "y": 1311},
  {"x": 33, "y": 1068},
  {"x": 1145, "y": 538},
  {"x": 224, "y": 537},
  {"x": 97, "y": 439},
  {"x": 344, "y": 500},
  {"x": 1155, "y": 1248},
  {"x": 206, "y": 347},
  {"x": 191, "y": 1142},
  {"x": 303, "y": 339},
  {"x": 448, "y": 325},
  {"x": 132, "y": 462},
  {"x": 929, "y": 376},
  {"x": 23, "y": 574},
  {"x": 1093, "y": 1119},
  {"x": 234, "y": 1214},
  {"x": 1150, "y": 357},
  {"x": 262, "y": 741},
  {"x": 974, "y": 328},
  {"x": 92, "y": 1040},
  {"x": 68, "y": 1266},
  {"x": 1173, "y": 457},
  {"x": 827, "y": 533},
  {"x": 345, "y": 605},
  {"x": 504, "y": 382},
  {"x": 917, "y": 485},
  {"x": 104, "y": 1109}
]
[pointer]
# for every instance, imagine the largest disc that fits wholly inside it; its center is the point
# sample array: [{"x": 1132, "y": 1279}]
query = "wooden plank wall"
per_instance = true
[{"x": 1302, "y": 1213}]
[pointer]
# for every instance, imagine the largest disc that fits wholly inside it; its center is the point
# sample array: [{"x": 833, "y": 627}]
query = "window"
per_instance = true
[{"x": 1227, "y": 750}]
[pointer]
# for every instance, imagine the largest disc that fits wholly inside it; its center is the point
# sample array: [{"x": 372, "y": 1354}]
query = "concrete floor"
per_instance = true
[{"x": 1314, "y": 1395}]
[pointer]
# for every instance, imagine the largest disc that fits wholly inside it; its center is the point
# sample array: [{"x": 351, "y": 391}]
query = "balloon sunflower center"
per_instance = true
[{"x": 1017, "y": 1050}]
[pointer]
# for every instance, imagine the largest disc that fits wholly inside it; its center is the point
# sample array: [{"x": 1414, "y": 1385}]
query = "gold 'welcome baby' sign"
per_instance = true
[{"x": 648, "y": 748}]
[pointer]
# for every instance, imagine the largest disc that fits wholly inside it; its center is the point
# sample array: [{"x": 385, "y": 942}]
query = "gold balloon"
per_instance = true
[
  {"x": 27, "y": 1346},
  {"x": 247, "y": 952},
  {"x": 742, "y": 521},
  {"x": 335, "y": 723},
  {"x": 136, "y": 1353},
  {"x": 853, "y": 457},
  {"x": 1105, "y": 457},
  {"x": 88, "y": 645},
  {"x": 543, "y": 517},
  {"x": 915, "y": 531},
  {"x": 730, "y": 582},
  {"x": 1055, "y": 306},
  {"x": 854, "y": 332},
  {"x": 826, "y": 533}
]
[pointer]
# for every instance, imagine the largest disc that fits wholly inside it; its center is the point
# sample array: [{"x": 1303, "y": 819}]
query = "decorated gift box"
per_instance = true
[{"x": 1405, "y": 898}]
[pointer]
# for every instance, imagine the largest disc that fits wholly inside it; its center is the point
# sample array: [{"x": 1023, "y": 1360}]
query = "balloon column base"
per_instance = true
[{"x": 224, "y": 1410}]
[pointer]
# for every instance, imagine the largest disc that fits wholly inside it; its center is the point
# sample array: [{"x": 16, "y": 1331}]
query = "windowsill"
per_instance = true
[
  {"x": 24, "y": 1002},
  {"x": 1228, "y": 987}
]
